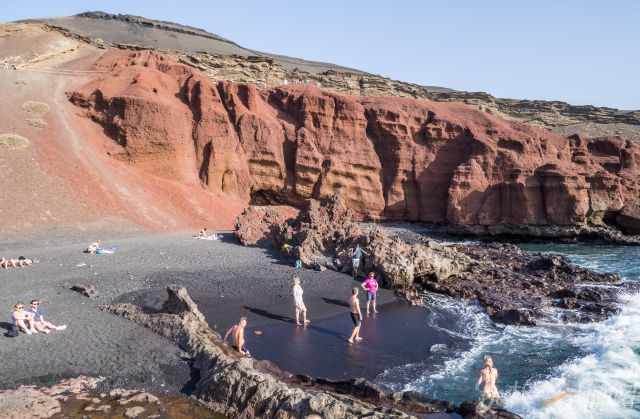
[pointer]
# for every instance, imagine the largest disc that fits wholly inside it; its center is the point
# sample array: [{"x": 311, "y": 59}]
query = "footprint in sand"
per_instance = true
[{"x": 13, "y": 142}]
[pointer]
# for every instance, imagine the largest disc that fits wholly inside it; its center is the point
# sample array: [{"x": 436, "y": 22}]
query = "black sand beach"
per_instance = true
[{"x": 225, "y": 279}]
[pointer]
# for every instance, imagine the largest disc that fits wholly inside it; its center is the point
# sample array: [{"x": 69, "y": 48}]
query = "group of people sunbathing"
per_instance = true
[
  {"x": 21, "y": 262},
  {"x": 32, "y": 320}
]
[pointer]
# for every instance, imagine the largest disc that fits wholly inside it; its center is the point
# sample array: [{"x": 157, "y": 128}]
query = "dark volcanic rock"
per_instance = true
[
  {"x": 86, "y": 290},
  {"x": 515, "y": 287}
]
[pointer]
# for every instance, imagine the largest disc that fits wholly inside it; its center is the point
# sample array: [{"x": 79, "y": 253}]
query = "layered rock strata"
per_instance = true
[
  {"x": 247, "y": 388},
  {"x": 390, "y": 158}
]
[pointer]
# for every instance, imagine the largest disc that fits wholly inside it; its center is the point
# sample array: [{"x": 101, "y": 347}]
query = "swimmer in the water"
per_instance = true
[{"x": 488, "y": 377}]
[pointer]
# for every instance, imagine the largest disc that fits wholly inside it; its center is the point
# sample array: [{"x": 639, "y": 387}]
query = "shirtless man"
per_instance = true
[
  {"x": 488, "y": 378},
  {"x": 356, "y": 316},
  {"x": 237, "y": 333}
]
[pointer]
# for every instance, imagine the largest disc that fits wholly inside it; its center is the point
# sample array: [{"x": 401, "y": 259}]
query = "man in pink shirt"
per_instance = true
[{"x": 371, "y": 285}]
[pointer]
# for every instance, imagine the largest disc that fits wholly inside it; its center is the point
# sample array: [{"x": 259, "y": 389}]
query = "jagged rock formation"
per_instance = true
[
  {"x": 247, "y": 388},
  {"x": 389, "y": 158},
  {"x": 514, "y": 287}
]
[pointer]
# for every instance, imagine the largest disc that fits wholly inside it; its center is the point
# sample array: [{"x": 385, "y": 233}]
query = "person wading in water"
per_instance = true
[{"x": 488, "y": 377}]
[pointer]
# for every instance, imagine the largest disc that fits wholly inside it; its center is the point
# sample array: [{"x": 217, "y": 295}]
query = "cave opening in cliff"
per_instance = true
[{"x": 265, "y": 197}]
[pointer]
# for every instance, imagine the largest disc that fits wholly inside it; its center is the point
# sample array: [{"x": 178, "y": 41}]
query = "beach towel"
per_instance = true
[
  {"x": 106, "y": 251},
  {"x": 211, "y": 237}
]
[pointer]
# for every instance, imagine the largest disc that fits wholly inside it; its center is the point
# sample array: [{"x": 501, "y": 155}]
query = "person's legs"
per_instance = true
[
  {"x": 41, "y": 327},
  {"x": 374, "y": 299},
  {"x": 22, "y": 326},
  {"x": 297, "y": 316},
  {"x": 304, "y": 316}
]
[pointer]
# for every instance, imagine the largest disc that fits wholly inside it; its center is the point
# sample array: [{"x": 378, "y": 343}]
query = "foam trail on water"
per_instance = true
[{"x": 603, "y": 384}]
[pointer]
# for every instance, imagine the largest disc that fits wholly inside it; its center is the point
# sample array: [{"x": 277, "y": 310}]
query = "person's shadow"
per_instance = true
[
  {"x": 8, "y": 327},
  {"x": 335, "y": 302},
  {"x": 269, "y": 315}
]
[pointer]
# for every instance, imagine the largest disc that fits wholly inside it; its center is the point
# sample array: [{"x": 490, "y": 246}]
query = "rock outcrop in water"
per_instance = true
[
  {"x": 389, "y": 158},
  {"x": 248, "y": 388},
  {"x": 515, "y": 287}
]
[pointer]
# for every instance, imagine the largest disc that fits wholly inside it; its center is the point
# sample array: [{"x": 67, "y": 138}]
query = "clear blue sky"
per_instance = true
[{"x": 583, "y": 52}]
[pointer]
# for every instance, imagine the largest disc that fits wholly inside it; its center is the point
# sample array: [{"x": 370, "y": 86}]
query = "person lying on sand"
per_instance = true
[
  {"x": 23, "y": 261},
  {"x": 4, "y": 263},
  {"x": 488, "y": 377},
  {"x": 40, "y": 323},
  {"x": 371, "y": 285},
  {"x": 356, "y": 316},
  {"x": 299, "y": 303},
  {"x": 93, "y": 247},
  {"x": 23, "y": 320},
  {"x": 237, "y": 335}
]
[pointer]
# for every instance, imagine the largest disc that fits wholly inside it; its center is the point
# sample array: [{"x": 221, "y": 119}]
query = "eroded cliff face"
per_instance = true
[{"x": 389, "y": 158}]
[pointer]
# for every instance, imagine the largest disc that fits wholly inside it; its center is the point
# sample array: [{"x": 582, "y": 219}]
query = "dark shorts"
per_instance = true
[
  {"x": 371, "y": 296},
  {"x": 355, "y": 318}
]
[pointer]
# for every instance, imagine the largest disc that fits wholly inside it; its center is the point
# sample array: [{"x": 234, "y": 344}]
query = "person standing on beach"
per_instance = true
[
  {"x": 299, "y": 303},
  {"x": 371, "y": 285},
  {"x": 356, "y": 316},
  {"x": 488, "y": 378},
  {"x": 237, "y": 333},
  {"x": 356, "y": 258}
]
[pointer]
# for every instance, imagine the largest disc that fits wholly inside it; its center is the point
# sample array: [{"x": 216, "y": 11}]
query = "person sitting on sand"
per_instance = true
[
  {"x": 94, "y": 247},
  {"x": 237, "y": 334},
  {"x": 203, "y": 232},
  {"x": 4, "y": 263},
  {"x": 23, "y": 320},
  {"x": 299, "y": 303},
  {"x": 488, "y": 377},
  {"x": 356, "y": 316},
  {"x": 40, "y": 323},
  {"x": 371, "y": 285}
]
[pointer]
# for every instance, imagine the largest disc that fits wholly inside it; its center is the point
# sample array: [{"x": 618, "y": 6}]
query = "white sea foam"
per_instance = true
[{"x": 603, "y": 384}]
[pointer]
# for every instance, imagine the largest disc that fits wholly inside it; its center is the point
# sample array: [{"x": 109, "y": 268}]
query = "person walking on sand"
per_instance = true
[
  {"x": 356, "y": 316},
  {"x": 23, "y": 320},
  {"x": 237, "y": 335},
  {"x": 371, "y": 285},
  {"x": 488, "y": 377},
  {"x": 299, "y": 303},
  {"x": 40, "y": 323}
]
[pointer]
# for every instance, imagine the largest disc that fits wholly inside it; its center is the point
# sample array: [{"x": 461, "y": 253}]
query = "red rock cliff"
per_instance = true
[{"x": 390, "y": 158}]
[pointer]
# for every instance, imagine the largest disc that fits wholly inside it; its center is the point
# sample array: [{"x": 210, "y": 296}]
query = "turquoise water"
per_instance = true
[{"x": 598, "y": 364}]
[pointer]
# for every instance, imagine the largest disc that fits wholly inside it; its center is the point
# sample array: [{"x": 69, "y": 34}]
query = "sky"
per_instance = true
[{"x": 581, "y": 52}]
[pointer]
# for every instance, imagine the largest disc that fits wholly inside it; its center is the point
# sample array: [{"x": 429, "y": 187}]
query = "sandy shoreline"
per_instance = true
[{"x": 226, "y": 279}]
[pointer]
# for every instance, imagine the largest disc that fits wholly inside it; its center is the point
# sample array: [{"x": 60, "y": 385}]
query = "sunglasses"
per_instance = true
[
  {"x": 20, "y": 307},
  {"x": 35, "y": 304}
]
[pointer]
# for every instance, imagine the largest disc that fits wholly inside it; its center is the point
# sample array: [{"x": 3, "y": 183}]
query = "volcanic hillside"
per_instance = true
[{"x": 98, "y": 134}]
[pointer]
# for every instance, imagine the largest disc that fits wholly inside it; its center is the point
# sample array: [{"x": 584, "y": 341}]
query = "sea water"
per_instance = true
[{"x": 553, "y": 370}]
